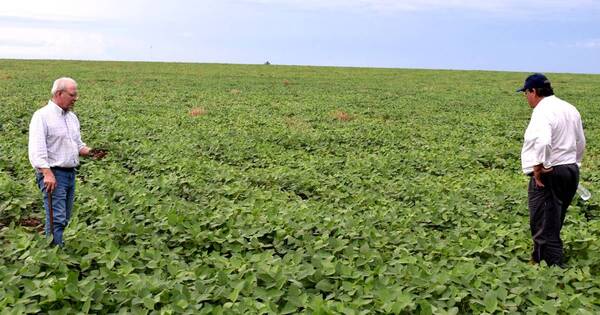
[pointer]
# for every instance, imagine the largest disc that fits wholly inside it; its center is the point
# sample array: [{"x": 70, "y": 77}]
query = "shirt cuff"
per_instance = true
[{"x": 39, "y": 166}]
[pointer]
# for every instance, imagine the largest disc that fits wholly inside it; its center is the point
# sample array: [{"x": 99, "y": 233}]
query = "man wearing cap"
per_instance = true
[
  {"x": 552, "y": 152},
  {"x": 54, "y": 149}
]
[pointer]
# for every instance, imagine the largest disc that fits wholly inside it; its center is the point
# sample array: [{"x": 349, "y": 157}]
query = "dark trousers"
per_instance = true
[{"x": 547, "y": 209}]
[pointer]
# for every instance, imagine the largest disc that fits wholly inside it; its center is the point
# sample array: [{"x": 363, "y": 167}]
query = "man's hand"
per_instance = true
[
  {"x": 538, "y": 170},
  {"x": 49, "y": 180},
  {"x": 85, "y": 151}
]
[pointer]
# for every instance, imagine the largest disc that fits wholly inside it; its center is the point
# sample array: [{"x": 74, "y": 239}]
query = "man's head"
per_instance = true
[
  {"x": 64, "y": 93},
  {"x": 536, "y": 87}
]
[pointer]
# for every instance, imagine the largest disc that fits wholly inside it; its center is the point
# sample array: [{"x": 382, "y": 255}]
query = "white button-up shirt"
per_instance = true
[
  {"x": 54, "y": 138},
  {"x": 554, "y": 135}
]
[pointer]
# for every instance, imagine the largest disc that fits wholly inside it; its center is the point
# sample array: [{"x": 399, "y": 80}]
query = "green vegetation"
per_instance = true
[{"x": 274, "y": 189}]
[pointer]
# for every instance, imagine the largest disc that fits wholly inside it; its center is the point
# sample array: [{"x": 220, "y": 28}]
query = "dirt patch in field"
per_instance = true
[
  {"x": 32, "y": 223},
  {"x": 342, "y": 116},
  {"x": 198, "y": 111}
]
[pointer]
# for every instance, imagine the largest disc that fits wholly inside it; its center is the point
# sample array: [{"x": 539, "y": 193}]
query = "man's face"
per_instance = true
[
  {"x": 531, "y": 98},
  {"x": 68, "y": 97}
]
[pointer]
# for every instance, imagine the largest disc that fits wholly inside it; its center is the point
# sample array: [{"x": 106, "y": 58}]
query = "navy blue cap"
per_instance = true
[{"x": 536, "y": 80}]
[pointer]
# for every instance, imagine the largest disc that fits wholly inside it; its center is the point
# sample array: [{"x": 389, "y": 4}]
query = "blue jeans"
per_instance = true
[{"x": 62, "y": 202}]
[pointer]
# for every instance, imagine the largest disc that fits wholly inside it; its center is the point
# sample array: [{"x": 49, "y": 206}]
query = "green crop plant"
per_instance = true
[{"x": 279, "y": 189}]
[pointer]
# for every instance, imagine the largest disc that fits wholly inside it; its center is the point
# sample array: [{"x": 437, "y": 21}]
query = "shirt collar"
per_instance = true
[
  {"x": 56, "y": 109},
  {"x": 545, "y": 100}
]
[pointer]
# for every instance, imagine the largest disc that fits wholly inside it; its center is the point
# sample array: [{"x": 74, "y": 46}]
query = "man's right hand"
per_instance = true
[
  {"x": 49, "y": 180},
  {"x": 538, "y": 171}
]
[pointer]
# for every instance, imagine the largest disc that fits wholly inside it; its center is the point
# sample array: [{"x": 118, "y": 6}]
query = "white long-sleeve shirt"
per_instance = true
[
  {"x": 54, "y": 138},
  {"x": 554, "y": 135}
]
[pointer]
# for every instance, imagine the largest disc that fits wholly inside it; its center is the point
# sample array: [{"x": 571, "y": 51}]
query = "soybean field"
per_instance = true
[{"x": 266, "y": 189}]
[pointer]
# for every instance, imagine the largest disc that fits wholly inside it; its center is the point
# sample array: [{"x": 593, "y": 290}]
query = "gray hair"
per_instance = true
[{"x": 61, "y": 84}]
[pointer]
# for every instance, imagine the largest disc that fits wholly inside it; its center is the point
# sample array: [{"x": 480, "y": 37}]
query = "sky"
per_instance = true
[{"x": 506, "y": 35}]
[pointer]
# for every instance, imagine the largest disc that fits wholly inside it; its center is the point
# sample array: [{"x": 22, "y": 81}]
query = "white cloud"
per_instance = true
[
  {"x": 21, "y": 42},
  {"x": 69, "y": 29},
  {"x": 136, "y": 10},
  {"x": 421, "y": 5},
  {"x": 71, "y": 10},
  {"x": 590, "y": 43}
]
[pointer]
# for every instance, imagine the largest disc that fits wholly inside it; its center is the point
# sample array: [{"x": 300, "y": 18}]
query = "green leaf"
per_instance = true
[
  {"x": 402, "y": 302},
  {"x": 237, "y": 287},
  {"x": 325, "y": 285},
  {"x": 549, "y": 307},
  {"x": 306, "y": 270},
  {"x": 490, "y": 301},
  {"x": 86, "y": 306},
  {"x": 182, "y": 303},
  {"x": 289, "y": 308},
  {"x": 425, "y": 308},
  {"x": 149, "y": 302}
]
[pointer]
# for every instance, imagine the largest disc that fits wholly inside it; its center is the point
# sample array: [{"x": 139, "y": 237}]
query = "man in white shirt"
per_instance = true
[
  {"x": 552, "y": 151},
  {"x": 54, "y": 149}
]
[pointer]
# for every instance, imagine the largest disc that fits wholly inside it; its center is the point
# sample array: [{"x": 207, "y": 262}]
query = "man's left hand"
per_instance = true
[{"x": 85, "y": 151}]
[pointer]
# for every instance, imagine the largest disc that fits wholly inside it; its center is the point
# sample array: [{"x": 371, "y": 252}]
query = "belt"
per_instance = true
[
  {"x": 64, "y": 169},
  {"x": 557, "y": 166}
]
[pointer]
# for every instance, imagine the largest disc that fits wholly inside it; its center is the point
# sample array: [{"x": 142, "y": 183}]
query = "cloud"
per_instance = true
[
  {"x": 21, "y": 42},
  {"x": 71, "y": 10},
  {"x": 590, "y": 43},
  {"x": 68, "y": 29},
  {"x": 507, "y": 6}
]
